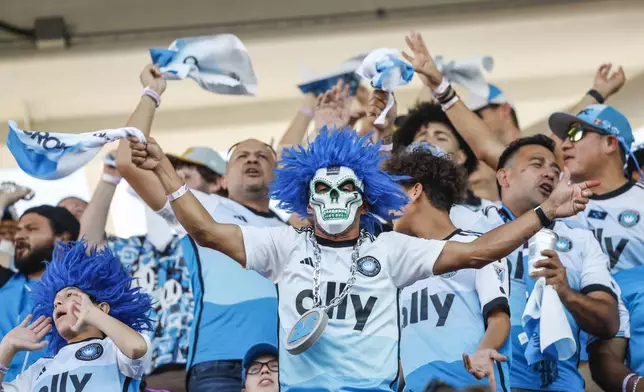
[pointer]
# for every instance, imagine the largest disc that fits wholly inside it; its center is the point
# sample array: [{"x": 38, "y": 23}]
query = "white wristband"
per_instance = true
[
  {"x": 178, "y": 193},
  {"x": 442, "y": 88},
  {"x": 114, "y": 180},
  {"x": 448, "y": 105}
]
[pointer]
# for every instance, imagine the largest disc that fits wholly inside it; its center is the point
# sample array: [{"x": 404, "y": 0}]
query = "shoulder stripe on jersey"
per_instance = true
[
  {"x": 300, "y": 230},
  {"x": 487, "y": 209},
  {"x": 197, "y": 324},
  {"x": 639, "y": 185},
  {"x": 599, "y": 287},
  {"x": 472, "y": 233},
  {"x": 500, "y": 303}
]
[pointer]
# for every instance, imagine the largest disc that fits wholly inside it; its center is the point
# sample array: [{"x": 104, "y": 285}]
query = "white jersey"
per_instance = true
[
  {"x": 94, "y": 365},
  {"x": 445, "y": 316},
  {"x": 358, "y": 350},
  {"x": 464, "y": 216},
  {"x": 616, "y": 220}
]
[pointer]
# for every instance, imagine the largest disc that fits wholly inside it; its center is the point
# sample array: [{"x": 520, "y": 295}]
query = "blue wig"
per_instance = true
[
  {"x": 98, "y": 274},
  {"x": 341, "y": 147}
]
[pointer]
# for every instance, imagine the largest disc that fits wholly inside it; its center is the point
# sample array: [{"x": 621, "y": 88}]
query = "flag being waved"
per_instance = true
[{"x": 50, "y": 156}]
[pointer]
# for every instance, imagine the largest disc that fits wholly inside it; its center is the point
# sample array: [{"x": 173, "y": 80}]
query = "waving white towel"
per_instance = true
[
  {"x": 49, "y": 156},
  {"x": 386, "y": 71}
]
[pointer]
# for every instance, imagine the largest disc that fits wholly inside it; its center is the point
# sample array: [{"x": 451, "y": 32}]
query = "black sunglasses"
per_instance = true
[{"x": 257, "y": 366}]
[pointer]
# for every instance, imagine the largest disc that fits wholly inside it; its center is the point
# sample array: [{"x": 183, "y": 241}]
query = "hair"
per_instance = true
[
  {"x": 631, "y": 166},
  {"x": 208, "y": 175},
  {"x": 98, "y": 274},
  {"x": 74, "y": 198},
  {"x": 338, "y": 147},
  {"x": 60, "y": 220},
  {"x": 422, "y": 114},
  {"x": 513, "y": 113},
  {"x": 444, "y": 182},
  {"x": 516, "y": 145}
]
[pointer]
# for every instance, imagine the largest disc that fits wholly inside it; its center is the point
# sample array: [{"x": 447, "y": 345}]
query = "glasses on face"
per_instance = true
[
  {"x": 577, "y": 132},
  {"x": 257, "y": 366}
]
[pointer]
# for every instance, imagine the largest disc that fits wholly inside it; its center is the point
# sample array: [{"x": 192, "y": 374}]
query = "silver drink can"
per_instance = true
[
  {"x": 544, "y": 239},
  {"x": 9, "y": 186}
]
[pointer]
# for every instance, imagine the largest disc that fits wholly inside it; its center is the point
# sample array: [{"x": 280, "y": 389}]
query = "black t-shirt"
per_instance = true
[{"x": 5, "y": 275}]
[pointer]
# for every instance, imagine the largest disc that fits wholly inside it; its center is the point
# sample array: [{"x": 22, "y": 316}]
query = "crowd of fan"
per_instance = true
[{"x": 465, "y": 168}]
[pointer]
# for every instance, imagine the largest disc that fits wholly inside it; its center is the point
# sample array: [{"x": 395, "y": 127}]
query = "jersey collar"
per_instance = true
[{"x": 614, "y": 193}]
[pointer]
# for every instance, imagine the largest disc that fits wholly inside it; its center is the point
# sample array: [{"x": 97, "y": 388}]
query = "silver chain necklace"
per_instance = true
[{"x": 355, "y": 254}]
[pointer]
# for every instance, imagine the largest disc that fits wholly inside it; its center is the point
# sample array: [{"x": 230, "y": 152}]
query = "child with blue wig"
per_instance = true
[{"x": 97, "y": 314}]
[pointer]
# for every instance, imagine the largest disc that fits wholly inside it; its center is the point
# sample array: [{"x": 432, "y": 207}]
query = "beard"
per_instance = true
[{"x": 34, "y": 261}]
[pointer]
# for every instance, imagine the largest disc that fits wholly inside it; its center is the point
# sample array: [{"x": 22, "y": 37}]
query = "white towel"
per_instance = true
[
  {"x": 386, "y": 71},
  {"x": 467, "y": 72},
  {"x": 49, "y": 156},
  {"x": 218, "y": 63},
  {"x": 544, "y": 315}
]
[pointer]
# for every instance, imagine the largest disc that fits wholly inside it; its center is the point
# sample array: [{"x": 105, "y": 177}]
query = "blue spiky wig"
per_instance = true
[
  {"x": 338, "y": 147},
  {"x": 98, "y": 274}
]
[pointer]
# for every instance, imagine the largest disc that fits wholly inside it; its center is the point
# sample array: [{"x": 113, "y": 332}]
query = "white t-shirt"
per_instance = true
[
  {"x": 359, "y": 347},
  {"x": 94, "y": 365}
]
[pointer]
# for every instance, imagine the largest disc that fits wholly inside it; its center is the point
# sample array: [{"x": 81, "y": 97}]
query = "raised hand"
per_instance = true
[
  {"x": 9, "y": 198},
  {"x": 152, "y": 77},
  {"x": 607, "y": 83},
  {"x": 333, "y": 107},
  {"x": 422, "y": 61},
  {"x": 481, "y": 364},
  {"x": 82, "y": 310},
  {"x": 146, "y": 156},
  {"x": 375, "y": 106},
  {"x": 568, "y": 199},
  {"x": 28, "y": 337}
]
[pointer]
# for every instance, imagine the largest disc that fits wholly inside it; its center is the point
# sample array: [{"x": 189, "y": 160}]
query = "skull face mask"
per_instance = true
[{"x": 335, "y": 197}]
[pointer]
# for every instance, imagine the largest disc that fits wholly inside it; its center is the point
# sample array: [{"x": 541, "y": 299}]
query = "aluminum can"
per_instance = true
[
  {"x": 544, "y": 239},
  {"x": 8, "y": 186}
]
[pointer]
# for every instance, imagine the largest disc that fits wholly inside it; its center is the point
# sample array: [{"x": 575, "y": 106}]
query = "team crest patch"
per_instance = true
[
  {"x": 629, "y": 218},
  {"x": 369, "y": 266},
  {"x": 90, "y": 352},
  {"x": 564, "y": 244}
]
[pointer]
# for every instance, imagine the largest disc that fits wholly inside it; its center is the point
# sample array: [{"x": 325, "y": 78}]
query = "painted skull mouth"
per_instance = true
[{"x": 335, "y": 213}]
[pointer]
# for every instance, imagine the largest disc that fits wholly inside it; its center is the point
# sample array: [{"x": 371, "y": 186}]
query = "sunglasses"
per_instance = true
[
  {"x": 257, "y": 366},
  {"x": 577, "y": 132}
]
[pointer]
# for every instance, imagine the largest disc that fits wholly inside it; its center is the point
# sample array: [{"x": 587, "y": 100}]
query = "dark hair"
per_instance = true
[
  {"x": 444, "y": 183},
  {"x": 516, "y": 145},
  {"x": 437, "y": 385},
  {"x": 631, "y": 167},
  {"x": 60, "y": 220},
  {"x": 513, "y": 112},
  {"x": 423, "y": 114},
  {"x": 209, "y": 175}
]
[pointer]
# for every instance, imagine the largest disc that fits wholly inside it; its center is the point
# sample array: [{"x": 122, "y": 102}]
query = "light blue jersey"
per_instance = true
[
  {"x": 235, "y": 308},
  {"x": 16, "y": 305},
  {"x": 631, "y": 284},
  {"x": 446, "y": 316},
  {"x": 616, "y": 220},
  {"x": 94, "y": 365},
  {"x": 587, "y": 268},
  {"x": 359, "y": 348}
]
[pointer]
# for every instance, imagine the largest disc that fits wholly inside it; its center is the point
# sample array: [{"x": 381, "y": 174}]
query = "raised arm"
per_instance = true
[
  {"x": 607, "y": 365},
  {"x": 25, "y": 337},
  {"x": 566, "y": 200},
  {"x": 94, "y": 218},
  {"x": 483, "y": 142},
  {"x": 188, "y": 210},
  {"x": 143, "y": 182}
]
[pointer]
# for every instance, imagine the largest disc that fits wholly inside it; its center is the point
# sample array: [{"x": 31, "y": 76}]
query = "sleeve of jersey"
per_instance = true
[
  {"x": 410, "y": 259},
  {"x": 22, "y": 383},
  {"x": 267, "y": 249},
  {"x": 209, "y": 202},
  {"x": 134, "y": 368},
  {"x": 624, "y": 324},
  {"x": 595, "y": 273},
  {"x": 492, "y": 287}
]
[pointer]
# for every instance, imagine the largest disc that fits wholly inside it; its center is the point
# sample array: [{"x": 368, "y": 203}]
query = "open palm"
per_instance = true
[
  {"x": 481, "y": 364},
  {"x": 28, "y": 337},
  {"x": 422, "y": 61}
]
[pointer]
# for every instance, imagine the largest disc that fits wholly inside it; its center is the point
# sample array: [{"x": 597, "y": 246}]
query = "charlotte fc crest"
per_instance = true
[
  {"x": 369, "y": 266},
  {"x": 564, "y": 244},
  {"x": 629, "y": 218},
  {"x": 90, "y": 352}
]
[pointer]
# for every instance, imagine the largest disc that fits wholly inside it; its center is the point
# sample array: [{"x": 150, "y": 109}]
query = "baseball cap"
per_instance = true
[
  {"x": 494, "y": 97},
  {"x": 202, "y": 156},
  {"x": 603, "y": 118},
  {"x": 255, "y": 352}
]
